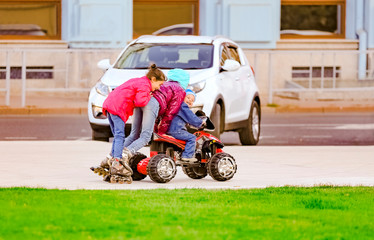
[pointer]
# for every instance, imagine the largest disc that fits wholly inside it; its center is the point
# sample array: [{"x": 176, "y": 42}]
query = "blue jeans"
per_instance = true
[
  {"x": 143, "y": 122},
  {"x": 117, "y": 125},
  {"x": 189, "y": 149}
]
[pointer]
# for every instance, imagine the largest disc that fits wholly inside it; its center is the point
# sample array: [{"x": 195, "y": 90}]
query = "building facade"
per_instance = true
[{"x": 293, "y": 44}]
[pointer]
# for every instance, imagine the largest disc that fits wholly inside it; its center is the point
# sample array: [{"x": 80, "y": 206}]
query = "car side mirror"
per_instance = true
[
  {"x": 230, "y": 65},
  {"x": 104, "y": 64}
]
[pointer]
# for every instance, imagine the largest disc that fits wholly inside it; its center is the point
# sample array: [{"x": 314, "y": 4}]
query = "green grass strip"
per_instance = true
[{"x": 273, "y": 213}]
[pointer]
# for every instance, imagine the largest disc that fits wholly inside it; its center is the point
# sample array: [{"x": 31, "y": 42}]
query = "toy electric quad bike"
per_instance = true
[{"x": 166, "y": 153}]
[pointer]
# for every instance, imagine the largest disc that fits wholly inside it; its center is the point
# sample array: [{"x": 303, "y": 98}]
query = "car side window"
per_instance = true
[
  {"x": 234, "y": 55},
  {"x": 225, "y": 54},
  {"x": 229, "y": 52}
]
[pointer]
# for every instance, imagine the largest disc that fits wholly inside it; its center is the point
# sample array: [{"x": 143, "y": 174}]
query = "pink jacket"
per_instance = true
[
  {"x": 135, "y": 92},
  {"x": 170, "y": 97}
]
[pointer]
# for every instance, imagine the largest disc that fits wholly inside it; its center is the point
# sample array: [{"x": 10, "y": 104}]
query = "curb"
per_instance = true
[{"x": 330, "y": 109}]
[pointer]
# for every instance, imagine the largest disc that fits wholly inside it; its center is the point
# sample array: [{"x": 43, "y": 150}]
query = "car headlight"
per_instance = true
[
  {"x": 197, "y": 87},
  {"x": 102, "y": 89}
]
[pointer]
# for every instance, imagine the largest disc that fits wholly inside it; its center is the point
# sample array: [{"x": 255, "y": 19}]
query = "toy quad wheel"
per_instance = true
[
  {"x": 133, "y": 162},
  {"x": 222, "y": 166},
  {"x": 195, "y": 172},
  {"x": 161, "y": 168}
]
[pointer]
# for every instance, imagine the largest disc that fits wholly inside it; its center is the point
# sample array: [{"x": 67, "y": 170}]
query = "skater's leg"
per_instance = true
[
  {"x": 118, "y": 130},
  {"x": 117, "y": 127},
  {"x": 111, "y": 125},
  {"x": 150, "y": 112},
  {"x": 136, "y": 125}
]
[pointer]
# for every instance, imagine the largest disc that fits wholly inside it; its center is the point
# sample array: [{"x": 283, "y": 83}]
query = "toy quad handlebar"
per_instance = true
[{"x": 208, "y": 123}]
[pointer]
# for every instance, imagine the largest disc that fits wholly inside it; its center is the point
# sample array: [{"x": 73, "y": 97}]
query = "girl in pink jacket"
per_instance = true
[
  {"x": 163, "y": 106},
  {"x": 119, "y": 105}
]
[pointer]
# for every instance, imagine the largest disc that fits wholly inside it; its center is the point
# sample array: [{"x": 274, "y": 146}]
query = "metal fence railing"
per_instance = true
[
  {"x": 45, "y": 70},
  {"x": 75, "y": 70},
  {"x": 308, "y": 71}
]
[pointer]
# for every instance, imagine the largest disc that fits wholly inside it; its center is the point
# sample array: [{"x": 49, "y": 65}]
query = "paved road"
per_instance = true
[
  {"x": 283, "y": 129},
  {"x": 313, "y": 129}
]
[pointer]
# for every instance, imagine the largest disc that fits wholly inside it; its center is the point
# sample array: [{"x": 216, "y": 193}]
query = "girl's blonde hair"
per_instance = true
[{"x": 154, "y": 71}]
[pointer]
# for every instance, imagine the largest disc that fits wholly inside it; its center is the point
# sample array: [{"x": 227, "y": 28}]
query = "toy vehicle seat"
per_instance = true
[{"x": 169, "y": 139}]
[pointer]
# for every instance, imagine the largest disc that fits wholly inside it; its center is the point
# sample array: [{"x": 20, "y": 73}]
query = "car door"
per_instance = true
[{"x": 233, "y": 85}]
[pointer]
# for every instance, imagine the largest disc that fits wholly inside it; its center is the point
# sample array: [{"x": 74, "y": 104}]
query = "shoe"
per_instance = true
[
  {"x": 120, "y": 179},
  {"x": 118, "y": 167},
  {"x": 189, "y": 160},
  {"x": 126, "y": 164},
  {"x": 103, "y": 169},
  {"x": 107, "y": 162},
  {"x": 126, "y": 154}
]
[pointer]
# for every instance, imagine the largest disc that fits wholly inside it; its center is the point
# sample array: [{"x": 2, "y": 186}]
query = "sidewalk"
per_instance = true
[
  {"x": 78, "y": 105},
  {"x": 65, "y": 165}
]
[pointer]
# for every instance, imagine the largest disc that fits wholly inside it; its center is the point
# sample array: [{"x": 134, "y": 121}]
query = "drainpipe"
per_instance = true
[{"x": 362, "y": 37}]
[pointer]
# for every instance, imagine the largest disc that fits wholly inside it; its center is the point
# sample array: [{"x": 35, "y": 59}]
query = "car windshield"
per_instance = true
[{"x": 186, "y": 56}]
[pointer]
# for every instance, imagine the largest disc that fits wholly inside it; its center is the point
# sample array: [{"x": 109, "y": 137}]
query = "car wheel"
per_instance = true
[
  {"x": 250, "y": 135},
  {"x": 133, "y": 162},
  {"x": 215, "y": 117},
  {"x": 161, "y": 168},
  {"x": 99, "y": 136},
  {"x": 195, "y": 172},
  {"x": 222, "y": 166}
]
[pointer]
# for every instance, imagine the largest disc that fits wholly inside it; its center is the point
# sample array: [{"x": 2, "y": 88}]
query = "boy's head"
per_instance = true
[{"x": 190, "y": 97}]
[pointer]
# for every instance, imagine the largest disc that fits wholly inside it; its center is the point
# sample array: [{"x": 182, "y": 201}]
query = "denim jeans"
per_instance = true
[
  {"x": 117, "y": 125},
  {"x": 143, "y": 122},
  {"x": 189, "y": 149}
]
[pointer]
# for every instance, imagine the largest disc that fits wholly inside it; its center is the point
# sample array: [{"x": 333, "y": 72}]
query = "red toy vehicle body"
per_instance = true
[{"x": 166, "y": 152}]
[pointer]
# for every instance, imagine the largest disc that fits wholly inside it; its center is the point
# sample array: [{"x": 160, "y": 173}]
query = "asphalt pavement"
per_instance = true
[{"x": 40, "y": 104}]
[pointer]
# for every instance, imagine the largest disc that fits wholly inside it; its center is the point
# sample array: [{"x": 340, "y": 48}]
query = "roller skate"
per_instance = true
[
  {"x": 119, "y": 179},
  {"x": 120, "y": 172},
  {"x": 103, "y": 169}
]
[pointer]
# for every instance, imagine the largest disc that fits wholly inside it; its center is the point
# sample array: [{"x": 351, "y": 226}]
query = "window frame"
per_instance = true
[
  {"x": 195, "y": 3},
  {"x": 342, "y": 3},
  {"x": 31, "y": 37}
]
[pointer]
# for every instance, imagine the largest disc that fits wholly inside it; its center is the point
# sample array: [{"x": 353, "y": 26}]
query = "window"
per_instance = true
[
  {"x": 315, "y": 72},
  {"x": 166, "y": 56},
  {"x": 165, "y": 17},
  {"x": 38, "y": 72},
  {"x": 313, "y": 19},
  {"x": 229, "y": 52},
  {"x": 234, "y": 54},
  {"x": 224, "y": 55},
  {"x": 30, "y": 19}
]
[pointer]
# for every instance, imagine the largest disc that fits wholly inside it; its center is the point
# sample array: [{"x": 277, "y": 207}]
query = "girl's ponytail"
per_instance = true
[{"x": 154, "y": 71}]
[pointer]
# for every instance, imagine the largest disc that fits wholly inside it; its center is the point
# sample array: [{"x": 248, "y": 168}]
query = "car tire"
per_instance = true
[
  {"x": 215, "y": 117},
  {"x": 99, "y": 136},
  {"x": 250, "y": 135}
]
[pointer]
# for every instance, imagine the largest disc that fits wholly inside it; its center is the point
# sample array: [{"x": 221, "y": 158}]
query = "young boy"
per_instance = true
[{"x": 178, "y": 127}]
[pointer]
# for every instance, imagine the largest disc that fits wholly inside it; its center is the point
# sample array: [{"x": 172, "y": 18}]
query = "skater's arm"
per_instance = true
[{"x": 189, "y": 117}]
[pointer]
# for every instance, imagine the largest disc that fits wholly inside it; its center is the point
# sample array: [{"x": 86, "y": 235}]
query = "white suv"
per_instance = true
[{"x": 220, "y": 75}]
